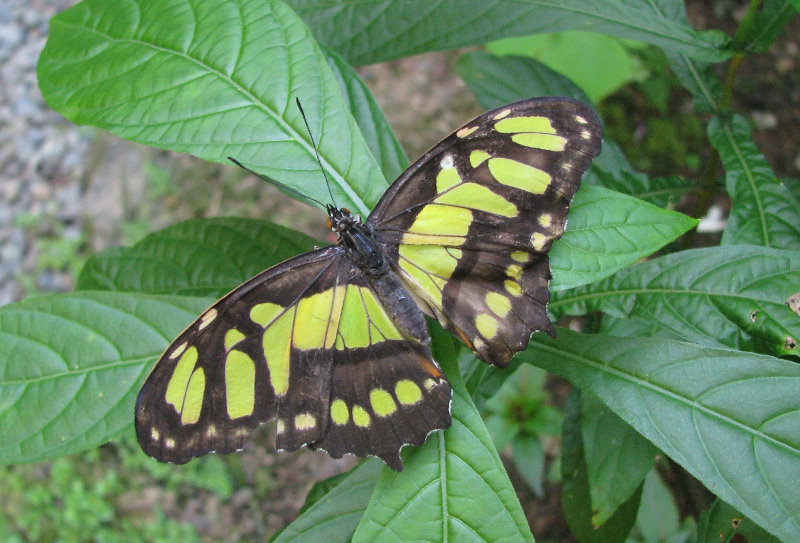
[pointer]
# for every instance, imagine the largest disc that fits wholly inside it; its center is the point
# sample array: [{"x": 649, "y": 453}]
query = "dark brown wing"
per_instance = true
[{"x": 309, "y": 343}]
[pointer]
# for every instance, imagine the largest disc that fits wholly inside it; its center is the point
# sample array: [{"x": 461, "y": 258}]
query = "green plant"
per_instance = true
[
  {"x": 71, "y": 500},
  {"x": 695, "y": 355}
]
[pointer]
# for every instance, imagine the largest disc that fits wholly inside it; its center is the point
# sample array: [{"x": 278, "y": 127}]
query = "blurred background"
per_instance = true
[{"x": 68, "y": 191}]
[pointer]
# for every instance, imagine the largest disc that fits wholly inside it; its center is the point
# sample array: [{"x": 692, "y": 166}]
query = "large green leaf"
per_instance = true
[
  {"x": 764, "y": 211},
  {"x": 214, "y": 78},
  {"x": 617, "y": 458},
  {"x": 720, "y": 296},
  {"x": 200, "y": 257},
  {"x": 369, "y": 117},
  {"x": 608, "y": 231},
  {"x": 454, "y": 488},
  {"x": 576, "y": 494},
  {"x": 377, "y": 30},
  {"x": 72, "y": 365},
  {"x": 731, "y": 418},
  {"x": 334, "y": 516}
]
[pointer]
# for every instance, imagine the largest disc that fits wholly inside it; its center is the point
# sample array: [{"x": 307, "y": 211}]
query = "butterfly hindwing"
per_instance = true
[
  {"x": 469, "y": 225},
  {"x": 310, "y": 343},
  {"x": 386, "y": 390}
]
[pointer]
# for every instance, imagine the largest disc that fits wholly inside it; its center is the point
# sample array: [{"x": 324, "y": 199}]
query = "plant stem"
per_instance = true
[{"x": 708, "y": 178}]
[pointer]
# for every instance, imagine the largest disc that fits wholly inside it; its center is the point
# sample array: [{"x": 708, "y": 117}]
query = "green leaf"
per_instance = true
[
  {"x": 764, "y": 212},
  {"x": 732, "y": 419},
  {"x": 617, "y": 458},
  {"x": 498, "y": 80},
  {"x": 335, "y": 514},
  {"x": 659, "y": 518},
  {"x": 596, "y": 63},
  {"x": 72, "y": 366},
  {"x": 528, "y": 455},
  {"x": 608, "y": 231},
  {"x": 754, "y": 533},
  {"x": 612, "y": 170},
  {"x": 793, "y": 186},
  {"x": 370, "y": 119},
  {"x": 368, "y": 32},
  {"x": 697, "y": 76},
  {"x": 662, "y": 192},
  {"x": 767, "y": 25},
  {"x": 200, "y": 257},
  {"x": 575, "y": 490},
  {"x": 434, "y": 498},
  {"x": 214, "y": 78},
  {"x": 716, "y": 524},
  {"x": 719, "y": 296}
]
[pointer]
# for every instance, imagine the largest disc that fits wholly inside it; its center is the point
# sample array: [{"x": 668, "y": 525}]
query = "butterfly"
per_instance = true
[{"x": 333, "y": 344}]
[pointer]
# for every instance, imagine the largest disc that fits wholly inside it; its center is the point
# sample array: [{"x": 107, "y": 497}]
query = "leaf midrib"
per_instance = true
[{"x": 288, "y": 129}]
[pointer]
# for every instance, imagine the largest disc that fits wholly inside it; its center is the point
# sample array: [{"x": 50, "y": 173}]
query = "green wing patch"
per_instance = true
[{"x": 472, "y": 246}]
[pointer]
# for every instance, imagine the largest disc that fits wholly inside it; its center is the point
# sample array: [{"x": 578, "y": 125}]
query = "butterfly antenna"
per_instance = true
[
  {"x": 314, "y": 145},
  {"x": 278, "y": 184}
]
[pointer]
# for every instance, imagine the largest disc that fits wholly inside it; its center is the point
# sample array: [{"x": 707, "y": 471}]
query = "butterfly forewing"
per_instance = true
[{"x": 469, "y": 225}]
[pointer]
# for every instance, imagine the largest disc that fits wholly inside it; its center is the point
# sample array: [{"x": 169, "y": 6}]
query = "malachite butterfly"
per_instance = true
[{"x": 333, "y": 344}]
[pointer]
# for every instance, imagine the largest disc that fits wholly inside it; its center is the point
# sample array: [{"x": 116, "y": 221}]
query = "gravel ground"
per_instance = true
[{"x": 41, "y": 155}]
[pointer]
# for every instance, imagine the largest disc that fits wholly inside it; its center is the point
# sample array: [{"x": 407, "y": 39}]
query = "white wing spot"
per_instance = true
[
  {"x": 466, "y": 131},
  {"x": 585, "y": 134},
  {"x": 566, "y": 166},
  {"x": 207, "y": 318},
  {"x": 581, "y": 120},
  {"x": 155, "y": 434},
  {"x": 501, "y": 114},
  {"x": 211, "y": 431},
  {"x": 169, "y": 443},
  {"x": 178, "y": 351},
  {"x": 446, "y": 162}
]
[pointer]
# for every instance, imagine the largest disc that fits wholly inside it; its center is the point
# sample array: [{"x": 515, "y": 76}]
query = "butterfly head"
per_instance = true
[{"x": 341, "y": 219}]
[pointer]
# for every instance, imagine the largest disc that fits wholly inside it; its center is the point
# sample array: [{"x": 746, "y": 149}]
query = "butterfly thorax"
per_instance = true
[{"x": 357, "y": 239}]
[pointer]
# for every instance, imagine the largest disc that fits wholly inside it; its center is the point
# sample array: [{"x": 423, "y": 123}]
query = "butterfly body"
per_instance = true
[
  {"x": 357, "y": 239},
  {"x": 333, "y": 344}
]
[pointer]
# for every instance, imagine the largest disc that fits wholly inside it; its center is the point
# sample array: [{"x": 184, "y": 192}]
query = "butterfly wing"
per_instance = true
[
  {"x": 308, "y": 343},
  {"x": 386, "y": 389},
  {"x": 468, "y": 226}
]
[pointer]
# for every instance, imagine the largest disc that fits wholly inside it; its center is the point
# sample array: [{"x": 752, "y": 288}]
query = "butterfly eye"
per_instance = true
[{"x": 347, "y": 211}]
